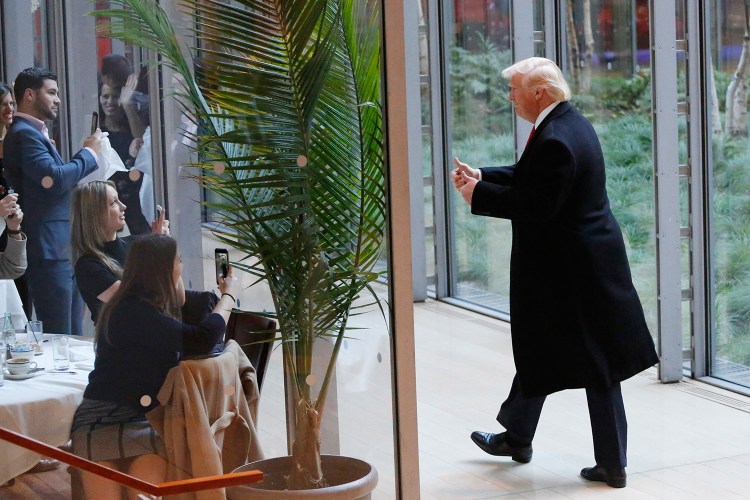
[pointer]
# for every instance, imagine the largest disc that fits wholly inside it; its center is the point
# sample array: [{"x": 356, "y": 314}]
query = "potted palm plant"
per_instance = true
[{"x": 287, "y": 105}]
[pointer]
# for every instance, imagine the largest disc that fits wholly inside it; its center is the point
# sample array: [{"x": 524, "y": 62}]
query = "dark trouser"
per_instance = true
[
  {"x": 23, "y": 291},
  {"x": 56, "y": 299},
  {"x": 609, "y": 427}
]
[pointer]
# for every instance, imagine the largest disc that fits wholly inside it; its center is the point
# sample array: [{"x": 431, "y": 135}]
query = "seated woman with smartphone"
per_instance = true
[
  {"x": 139, "y": 338},
  {"x": 96, "y": 217}
]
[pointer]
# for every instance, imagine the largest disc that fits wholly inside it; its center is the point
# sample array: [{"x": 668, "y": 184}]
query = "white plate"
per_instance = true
[
  {"x": 85, "y": 365},
  {"x": 9, "y": 376}
]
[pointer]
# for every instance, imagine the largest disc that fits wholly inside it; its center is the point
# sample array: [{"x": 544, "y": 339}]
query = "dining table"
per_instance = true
[{"x": 42, "y": 405}]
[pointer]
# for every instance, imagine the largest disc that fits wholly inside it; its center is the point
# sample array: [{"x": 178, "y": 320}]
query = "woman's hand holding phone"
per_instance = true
[
  {"x": 160, "y": 225},
  {"x": 229, "y": 285}
]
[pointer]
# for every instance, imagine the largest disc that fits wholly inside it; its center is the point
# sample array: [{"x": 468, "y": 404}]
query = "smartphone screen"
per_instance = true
[
  {"x": 221, "y": 258},
  {"x": 94, "y": 122}
]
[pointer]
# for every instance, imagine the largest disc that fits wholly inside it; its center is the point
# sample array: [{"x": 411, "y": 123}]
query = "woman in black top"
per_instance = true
[
  {"x": 96, "y": 216},
  {"x": 139, "y": 338}
]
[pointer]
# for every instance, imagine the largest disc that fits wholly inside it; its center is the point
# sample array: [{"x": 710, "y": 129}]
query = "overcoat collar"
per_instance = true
[{"x": 558, "y": 111}]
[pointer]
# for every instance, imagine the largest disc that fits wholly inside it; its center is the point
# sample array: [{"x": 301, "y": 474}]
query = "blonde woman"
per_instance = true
[{"x": 97, "y": 215}]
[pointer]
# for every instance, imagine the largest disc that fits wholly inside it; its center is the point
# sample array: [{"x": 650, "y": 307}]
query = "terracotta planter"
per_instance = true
[{"x": 349, "y": 479}]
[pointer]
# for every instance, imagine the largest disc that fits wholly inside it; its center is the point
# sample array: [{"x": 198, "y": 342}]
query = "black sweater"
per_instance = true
[{"x": 142, "y": 345}]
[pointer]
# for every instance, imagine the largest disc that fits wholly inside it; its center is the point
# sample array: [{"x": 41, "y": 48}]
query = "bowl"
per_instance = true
[{"x": 22, "y": 351}]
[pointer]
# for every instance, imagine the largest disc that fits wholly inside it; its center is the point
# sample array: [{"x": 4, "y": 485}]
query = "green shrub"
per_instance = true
[{"x": 478, "y": 90}]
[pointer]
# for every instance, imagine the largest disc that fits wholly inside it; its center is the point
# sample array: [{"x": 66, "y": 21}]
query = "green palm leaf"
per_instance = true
[{"x": 288, "y": 106}]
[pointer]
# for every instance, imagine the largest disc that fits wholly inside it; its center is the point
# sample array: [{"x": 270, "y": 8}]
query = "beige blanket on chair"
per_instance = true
[{"x": 208, "y": 417}]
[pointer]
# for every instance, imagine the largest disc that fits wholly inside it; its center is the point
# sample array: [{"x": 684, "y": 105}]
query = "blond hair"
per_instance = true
[
  {"x": 89, "y": 212},
  {"x": 540, "y": 72}
]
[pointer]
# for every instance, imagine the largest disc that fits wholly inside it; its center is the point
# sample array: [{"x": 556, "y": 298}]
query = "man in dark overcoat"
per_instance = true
[{"x": 576, "y": 319}]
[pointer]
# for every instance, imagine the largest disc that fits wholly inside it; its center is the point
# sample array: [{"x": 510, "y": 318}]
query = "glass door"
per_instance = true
[{"x": 728, "y": 198}]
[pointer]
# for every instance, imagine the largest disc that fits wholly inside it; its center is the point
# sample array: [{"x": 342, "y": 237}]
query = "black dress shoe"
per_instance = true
[
  {"x": 497, "y": 444},
  {"x": 613, "y": 476}
]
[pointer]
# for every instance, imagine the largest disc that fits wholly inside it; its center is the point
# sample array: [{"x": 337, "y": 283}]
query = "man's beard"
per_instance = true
[{"x": 47, "y": 113}]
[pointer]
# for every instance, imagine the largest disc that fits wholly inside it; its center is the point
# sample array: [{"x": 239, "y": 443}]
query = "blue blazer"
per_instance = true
[{"x": 29, "y": 158}]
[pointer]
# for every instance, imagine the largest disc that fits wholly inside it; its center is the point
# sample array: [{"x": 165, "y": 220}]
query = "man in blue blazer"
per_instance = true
[
  {"x": 44, "y": 183},
  {"x": 576, "y": 319}
]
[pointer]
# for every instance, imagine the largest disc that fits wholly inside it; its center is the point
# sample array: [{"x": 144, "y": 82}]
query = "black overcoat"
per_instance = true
[{"x": 576, "y": 319}]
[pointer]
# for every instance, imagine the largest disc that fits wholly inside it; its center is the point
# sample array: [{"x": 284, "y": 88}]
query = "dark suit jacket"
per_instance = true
[
  {"x": 29, "y": 158},
  {"x": 576, "y": 317}
]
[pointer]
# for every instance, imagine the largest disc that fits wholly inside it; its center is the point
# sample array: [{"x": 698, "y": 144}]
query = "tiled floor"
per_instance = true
[{"x": 686, "y": 440}]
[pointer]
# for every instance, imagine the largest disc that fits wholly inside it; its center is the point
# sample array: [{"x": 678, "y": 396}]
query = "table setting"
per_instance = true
[{"x": 41, "y": 390}]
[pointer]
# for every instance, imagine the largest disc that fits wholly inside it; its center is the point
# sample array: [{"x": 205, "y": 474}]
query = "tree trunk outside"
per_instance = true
[
  {"x": 574, "y": 54},
  {"x": 588, "y": 38},
  {"x": 716, "y": 127},
  {"x": 736, "y": 98}
]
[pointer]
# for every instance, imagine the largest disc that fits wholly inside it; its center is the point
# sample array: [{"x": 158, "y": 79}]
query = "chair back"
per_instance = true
[{"x": 255, "y": 334}]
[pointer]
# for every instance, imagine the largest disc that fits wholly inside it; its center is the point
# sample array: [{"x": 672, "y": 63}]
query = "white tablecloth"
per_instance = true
[
  {"x": 10, "y": 302},
  {"x": 42, "y": 407}
]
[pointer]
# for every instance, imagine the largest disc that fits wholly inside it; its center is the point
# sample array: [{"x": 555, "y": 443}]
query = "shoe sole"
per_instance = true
[
  {"x": 523, "y": 459},
  {"x": 612, "y": 483}
]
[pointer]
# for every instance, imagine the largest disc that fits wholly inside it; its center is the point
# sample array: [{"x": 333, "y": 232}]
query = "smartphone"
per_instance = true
[
  {"x": 9, "y": 191},
  {"x": 221, "y": 259},
  {"x": 94, "y": 122}
]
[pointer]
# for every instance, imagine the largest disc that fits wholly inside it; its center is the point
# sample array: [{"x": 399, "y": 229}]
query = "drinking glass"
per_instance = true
[
  {"x": 34, "y": 331},
  {"x": 60, "y": 351}
]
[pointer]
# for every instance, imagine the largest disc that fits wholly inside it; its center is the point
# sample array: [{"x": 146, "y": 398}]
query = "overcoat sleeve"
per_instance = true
[{"x": 538, "y": 189}]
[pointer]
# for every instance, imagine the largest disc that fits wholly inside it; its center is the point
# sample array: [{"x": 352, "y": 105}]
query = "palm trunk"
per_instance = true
[{"x": 307, "y": 472}]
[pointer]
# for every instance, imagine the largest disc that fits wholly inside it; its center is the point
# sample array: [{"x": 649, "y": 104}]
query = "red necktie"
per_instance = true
[{"x": 533, "y": 129}]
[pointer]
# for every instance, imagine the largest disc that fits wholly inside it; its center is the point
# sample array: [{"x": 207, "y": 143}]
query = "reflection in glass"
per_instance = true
[
  {"x": 730, "y": 198},
  {"x": 124, "y": 116}
]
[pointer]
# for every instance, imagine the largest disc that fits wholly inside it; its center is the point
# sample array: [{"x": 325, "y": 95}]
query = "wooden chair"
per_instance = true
[{"x": 255, "y": 334}]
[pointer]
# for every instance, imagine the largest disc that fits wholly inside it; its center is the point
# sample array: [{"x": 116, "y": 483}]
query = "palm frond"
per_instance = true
[
  {"x": 286, "y": 96},
  {"x": 287, "y": 100}
]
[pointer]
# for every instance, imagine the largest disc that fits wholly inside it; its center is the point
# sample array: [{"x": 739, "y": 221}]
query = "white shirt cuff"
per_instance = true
[{"x": 96, "y": 156}]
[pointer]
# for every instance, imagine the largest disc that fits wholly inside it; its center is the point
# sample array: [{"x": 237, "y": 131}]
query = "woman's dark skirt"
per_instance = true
[{"x": 104, "y": 430}]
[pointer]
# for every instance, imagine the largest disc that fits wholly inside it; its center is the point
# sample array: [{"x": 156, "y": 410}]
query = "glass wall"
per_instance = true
[
  {"x": 428, "y": 153},
  {"x": 729, "y": 197},
  {"x": 480, "y": 133},
  {"x": 605, "y": 56},
  {"x": 607, "y": 51}
]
